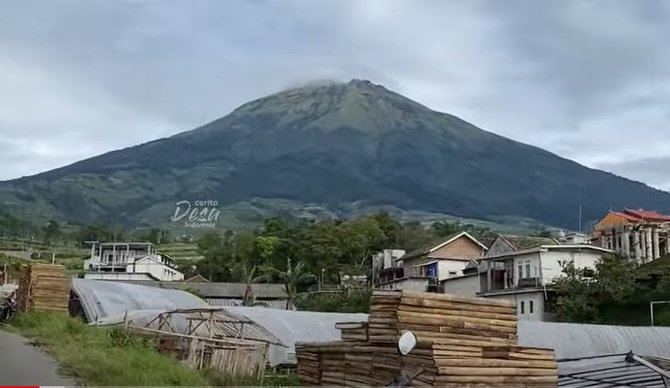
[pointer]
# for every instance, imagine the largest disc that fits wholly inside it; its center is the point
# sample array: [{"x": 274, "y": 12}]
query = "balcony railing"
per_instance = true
[{"x": 529, "y": 282}]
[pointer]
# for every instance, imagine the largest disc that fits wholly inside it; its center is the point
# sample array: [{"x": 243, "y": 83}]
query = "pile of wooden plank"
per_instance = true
[
  {"x": 309, "y": 364},
  {"x": 433, "y": 316},
  {"x": 43, "y": 287},
  {"x": 353, "y": 331},
  {"x": 461, "y": 342}
]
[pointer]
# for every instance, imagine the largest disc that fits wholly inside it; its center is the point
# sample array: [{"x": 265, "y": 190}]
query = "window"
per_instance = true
[
  {"x": 530, "y": 307},
  {"x": 520, "y": 271},
  {"x": 523, "y": 308},
  {"x": 527, "y": 268}
]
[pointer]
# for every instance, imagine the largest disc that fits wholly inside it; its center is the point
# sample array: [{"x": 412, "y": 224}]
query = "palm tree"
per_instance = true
[
  {"x": 291, "y": 278},
  {"x": 249, "y": 274}
]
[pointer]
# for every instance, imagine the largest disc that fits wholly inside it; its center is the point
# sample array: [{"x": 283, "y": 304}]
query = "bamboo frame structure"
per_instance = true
[{"x": 236, "y": 356}]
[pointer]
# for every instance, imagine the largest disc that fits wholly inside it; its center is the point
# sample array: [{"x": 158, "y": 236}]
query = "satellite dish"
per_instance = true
[{"x": 406, "y": 343}]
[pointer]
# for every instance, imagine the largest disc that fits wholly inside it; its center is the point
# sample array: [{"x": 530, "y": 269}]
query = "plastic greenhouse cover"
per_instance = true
[{"x": 108, "y": 301}]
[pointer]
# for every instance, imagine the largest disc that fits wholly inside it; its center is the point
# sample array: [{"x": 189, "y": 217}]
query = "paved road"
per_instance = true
[{"x": 23, "y": 364}]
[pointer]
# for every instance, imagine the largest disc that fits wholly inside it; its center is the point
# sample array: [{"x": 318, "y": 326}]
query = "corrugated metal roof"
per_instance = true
[
  {"x": 272, "y": 304},
  {"x": 571, "y": 340},
  {"x": 235, "y": 326},
  {"x": 295, "y": 326},
  {"x": 607, "y": 371},
  {"x": 221, "y": 290},
  {"x": 108, "y": 300}
]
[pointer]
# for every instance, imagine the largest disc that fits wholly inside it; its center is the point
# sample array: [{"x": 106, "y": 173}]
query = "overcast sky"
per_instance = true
[{"x": 588, "y": 80}]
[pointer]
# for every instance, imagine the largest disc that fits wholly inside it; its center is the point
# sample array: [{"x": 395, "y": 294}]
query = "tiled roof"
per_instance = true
[
  {"x": 520, "y": 243},
  {"x": 626, "y": 216},
  {"x": 424, "y": 250},
  {"x": 433, "y": 245},
  {"x": 648, "y": 215}
]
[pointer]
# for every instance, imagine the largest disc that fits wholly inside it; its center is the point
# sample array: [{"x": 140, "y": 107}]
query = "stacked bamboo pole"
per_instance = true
[
  {"x": 461, "y": 342},
  {"x": 43, "y": 287}
]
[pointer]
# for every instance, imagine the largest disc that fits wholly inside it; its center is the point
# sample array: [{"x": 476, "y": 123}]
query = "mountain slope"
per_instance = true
[{"x": 341, "y": 147}]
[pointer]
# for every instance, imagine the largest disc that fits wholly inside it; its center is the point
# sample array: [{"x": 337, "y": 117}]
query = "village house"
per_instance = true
[
  {"x": 384, "y": 266},
  {"x": 505, "y": 243},
  {"x": 469, "y": 284},
  {"x": 526, "y": 275},
  {"x": 643, "y": 235},
  {"x": 129, "y": 261},
  {"x": 424, "y": 268}
]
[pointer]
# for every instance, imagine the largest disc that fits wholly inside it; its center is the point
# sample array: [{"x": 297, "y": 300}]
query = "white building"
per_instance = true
[
  {"x": 526, "y": 276},
  {"x": 423, "y": 269},
  {"x": 129, "y": 261}
]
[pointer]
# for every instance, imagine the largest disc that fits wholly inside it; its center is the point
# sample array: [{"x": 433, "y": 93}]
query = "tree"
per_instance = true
[
  {"x": 52, "y": 230},
  {"x": 445, "y": 228},
  {"x": 390, "y": 227},
  {"x": 292, "y": 278},
  {"x": 576, "y": 301},
  {"x": 603, "y": 294},
  {"x": 249, "y": 275},
  {"x": 266, "y": 247}
]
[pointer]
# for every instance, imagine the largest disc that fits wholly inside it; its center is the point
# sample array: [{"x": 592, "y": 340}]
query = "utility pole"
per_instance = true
[{"x": 580, "y": 218}]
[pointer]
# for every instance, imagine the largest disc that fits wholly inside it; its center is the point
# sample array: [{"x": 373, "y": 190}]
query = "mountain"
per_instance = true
[{"x": 329, "y": 149}]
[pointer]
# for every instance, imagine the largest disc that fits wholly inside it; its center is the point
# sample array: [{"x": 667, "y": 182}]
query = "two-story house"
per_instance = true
[
  {"x": 129, "y": 261},
  {"x": 423, "y": 269},
  {"x": 385, "y": 268},
  {"x": 526, "y": 275}
]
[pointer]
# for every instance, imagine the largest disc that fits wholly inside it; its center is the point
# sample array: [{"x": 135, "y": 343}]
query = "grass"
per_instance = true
[
  {"x": 98, "y": 356},
  {"x": 104, "y": 357}
]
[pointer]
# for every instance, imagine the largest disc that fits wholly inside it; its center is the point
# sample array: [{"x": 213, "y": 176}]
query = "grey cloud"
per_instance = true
[
  {"x": 645, "y": 169},
  {"x": 574, "y": 77}
]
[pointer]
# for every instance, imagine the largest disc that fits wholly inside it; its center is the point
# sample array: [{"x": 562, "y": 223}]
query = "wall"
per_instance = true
[
  {"x": 119, "y": 276},
  {"x": 551, "y": 267},
  {"x": 537, "y": 299},
  {"x": 158, "y": 270},
  {"x": 610, "y": 220},
  {"x": 463, "y": 247},
  {"x": 444, "y": 267},
  {"x": 409, "y": 284},
  {"x": 535, "y": 270},
  {"x": 462, "y": 285},
  {"x": 498, "y": 247}
]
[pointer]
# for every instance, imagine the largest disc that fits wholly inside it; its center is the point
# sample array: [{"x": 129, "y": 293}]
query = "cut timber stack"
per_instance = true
[
  {"x": 309, "y": 366},
  {"x": 383, "y": 317},
  {"x": 43, "y": 287},
  {"x": 461, "y": 342},
  {"x": 353, "y": 331},
  {"x": 433, "y": 316}
]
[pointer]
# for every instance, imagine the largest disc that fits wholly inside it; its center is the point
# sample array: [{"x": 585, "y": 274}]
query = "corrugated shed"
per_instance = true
[
  {"x": 101, "y": 299},
  {"x": 607, "y": 371},
  {"x": 572, "y": 340},
  {"x": 296, "y": 326},
  {"x": 221, "y": 290}
]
